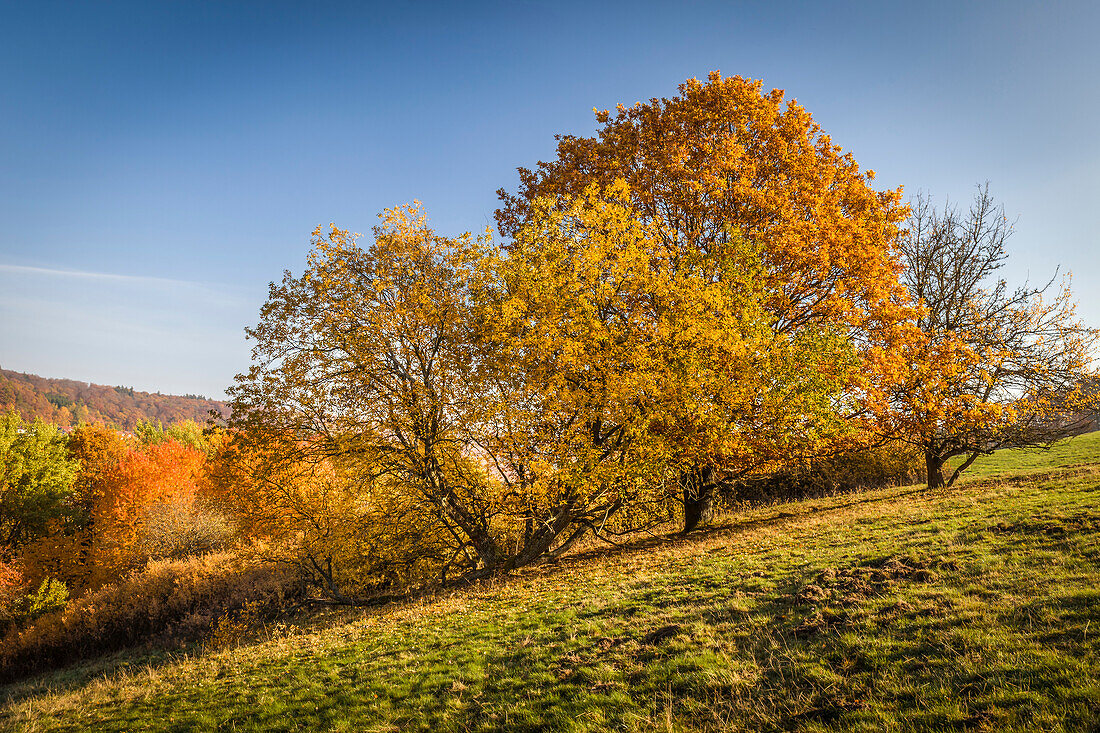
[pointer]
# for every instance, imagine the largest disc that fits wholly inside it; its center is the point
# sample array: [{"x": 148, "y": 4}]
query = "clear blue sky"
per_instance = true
[{"x": 161, "y": 162}]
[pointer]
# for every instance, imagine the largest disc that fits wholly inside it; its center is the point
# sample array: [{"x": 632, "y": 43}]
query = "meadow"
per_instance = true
[
  {"x": 974, "y": 607},
  {"x": 1082, "y": 450}
]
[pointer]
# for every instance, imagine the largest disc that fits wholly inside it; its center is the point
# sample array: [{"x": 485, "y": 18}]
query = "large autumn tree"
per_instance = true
[
  {"x": 995, "y": 366},
  {"x": 638, "y": 357},
  {"x": 725, "y": 161}
]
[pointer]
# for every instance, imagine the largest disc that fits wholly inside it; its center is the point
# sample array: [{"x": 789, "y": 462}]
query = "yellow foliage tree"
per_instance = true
[
  {"x": 724, "y": 163},
  {"x": 329, "y": 517},
  {"x": 364, "y": 362}
]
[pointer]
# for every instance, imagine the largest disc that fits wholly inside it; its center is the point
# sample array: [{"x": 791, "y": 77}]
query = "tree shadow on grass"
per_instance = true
[
  {"x": 803, "y": 509},
  {"x": 80, "y": 673},
  {"x": 727, "y": 528}
]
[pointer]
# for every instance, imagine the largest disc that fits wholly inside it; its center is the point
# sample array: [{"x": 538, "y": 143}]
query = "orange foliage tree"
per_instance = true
[
  {"x": 99, "y": 449},
  {"x": 13, "y": 587},
  {"x": 131, "y": 502},
  {"x": 65, "y": 553},
  {"x": 994, "y": 367},
  {"x": 143, "y": 479},
  {"x": 710, "y": 287},
  {"x": 722, "y": 161}
]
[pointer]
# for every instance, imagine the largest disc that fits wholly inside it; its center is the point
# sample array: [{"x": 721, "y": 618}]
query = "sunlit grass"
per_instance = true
[
  {"x": 975, "y": 607},
  {"x": 1073, "y": 452}
]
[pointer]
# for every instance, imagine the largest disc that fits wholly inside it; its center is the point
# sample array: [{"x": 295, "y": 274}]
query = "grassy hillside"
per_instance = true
[
  {"x": 976, "y": 608},
  {"x": 1079, "y": 451},
  {"x": 68, "y": 402}
]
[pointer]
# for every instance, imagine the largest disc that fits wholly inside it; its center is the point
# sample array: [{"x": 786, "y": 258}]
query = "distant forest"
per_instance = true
[{"x": 66, "y": 402}]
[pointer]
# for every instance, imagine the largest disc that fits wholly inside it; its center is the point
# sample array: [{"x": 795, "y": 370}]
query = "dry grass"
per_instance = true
[{"x": 167, "y": 603}]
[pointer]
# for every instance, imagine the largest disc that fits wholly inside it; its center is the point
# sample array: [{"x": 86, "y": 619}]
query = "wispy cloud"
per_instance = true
[
  {"x": 213, "y": 294},
  {"x": 162, "y": 333},
  {"x": 85, "y": 275}
]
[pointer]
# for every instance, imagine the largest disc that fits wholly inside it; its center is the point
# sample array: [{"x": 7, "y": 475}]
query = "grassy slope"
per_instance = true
[
  {"x": 975, "y": 607},
  {"x": 1078, "y": 451}
]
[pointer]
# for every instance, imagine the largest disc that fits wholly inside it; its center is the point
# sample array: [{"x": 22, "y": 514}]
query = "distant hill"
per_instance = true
[{"x": 66, "y": 402}]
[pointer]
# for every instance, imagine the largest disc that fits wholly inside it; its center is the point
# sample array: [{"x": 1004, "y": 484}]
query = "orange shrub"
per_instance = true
[
  {"x": 141, "y": 480},
  {"x": 59, "y": 555},
  {"x": 13, "y": 586}
]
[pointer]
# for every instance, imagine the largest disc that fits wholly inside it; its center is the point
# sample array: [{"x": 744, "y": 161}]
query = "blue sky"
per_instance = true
[{"x": 161, "y": 162}]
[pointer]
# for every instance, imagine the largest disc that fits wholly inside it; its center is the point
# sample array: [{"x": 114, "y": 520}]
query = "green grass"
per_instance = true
[
  {"x": 1077, "y": 451},
  {"x": 972, "y": 608}
]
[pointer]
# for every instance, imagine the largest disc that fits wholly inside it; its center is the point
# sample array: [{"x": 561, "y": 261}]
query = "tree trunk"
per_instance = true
[
  {"x": 571, "y": 540},
  {"x": 962, "y": 467},
  {"x": 699, "y": 496},
  {"x": 934, "y": 463},
  {"x": 540, "y": 541},
  {"x": 475, "y": 530}
]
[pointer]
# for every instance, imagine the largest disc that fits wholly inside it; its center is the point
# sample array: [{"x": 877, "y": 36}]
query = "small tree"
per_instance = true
[
  {"x": 366, "y": 358},
  {"x": 996, "y": 367},
  {"x": 36, "y": 481},
  {"x": 66, "y": 552}
]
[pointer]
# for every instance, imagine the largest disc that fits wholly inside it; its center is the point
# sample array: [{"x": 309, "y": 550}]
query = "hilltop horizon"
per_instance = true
[{"x": 66, "y": 402}]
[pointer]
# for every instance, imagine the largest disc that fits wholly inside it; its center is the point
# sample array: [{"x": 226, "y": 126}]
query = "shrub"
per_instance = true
[
  {"x": 352, "y": 537},
  {"x": 179, "y": 528},
  {"x": 167, "y": 603},
  {"x": 17, "y": 606},
  {"x": 13, "y": 588},
  {"x": 62, "y": 556},
  {"x": 889, "y": 465},
  {"x": 151, "y": 476},
  {"x": 233, "y": 628},
  {"x": 52, "y": 595}
]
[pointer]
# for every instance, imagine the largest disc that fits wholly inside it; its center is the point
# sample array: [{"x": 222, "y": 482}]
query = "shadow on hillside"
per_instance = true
[
  {"x": 79, "y": 674},
  {"x": 673, "y": 539},
  {"x": 732, "y": 525}
]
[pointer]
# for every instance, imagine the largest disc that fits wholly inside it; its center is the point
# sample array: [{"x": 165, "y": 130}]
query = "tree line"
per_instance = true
[
  {"x": 703, "y": 293},
  {"x": 68, "y": 403}
]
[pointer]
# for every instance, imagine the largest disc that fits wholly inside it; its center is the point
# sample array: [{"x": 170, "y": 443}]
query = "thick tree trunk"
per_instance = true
[
  {"x": 934, "y": 463},
  {"x": 539, "y": 542},
  {"x": 475, "y": 530},
  {"x": 699, "y": 496}
]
